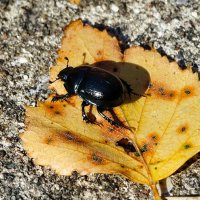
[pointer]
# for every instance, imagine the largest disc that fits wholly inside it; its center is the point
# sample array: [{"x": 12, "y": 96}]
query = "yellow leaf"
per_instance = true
[
  {"x": 60, "y": 139},
  {"x": 168, "y": 128},
  {"x": 163, "y": 125},
  {"x": 75, "y": 1}
]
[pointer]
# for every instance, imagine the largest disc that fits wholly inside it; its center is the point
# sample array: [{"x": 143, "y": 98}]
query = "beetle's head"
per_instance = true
[{"x": 64, "y": 74}]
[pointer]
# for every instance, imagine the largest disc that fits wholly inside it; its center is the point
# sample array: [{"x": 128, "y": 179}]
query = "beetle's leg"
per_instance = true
[
  {"x": 112, "y": 122},
  {"x": 61, "y": 97},
  {"x": 84, "y": 115},
  {"x": 129, "y": 89}
]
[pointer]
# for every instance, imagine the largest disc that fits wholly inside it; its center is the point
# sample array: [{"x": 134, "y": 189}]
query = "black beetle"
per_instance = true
[{"x": 95, "y": 86}]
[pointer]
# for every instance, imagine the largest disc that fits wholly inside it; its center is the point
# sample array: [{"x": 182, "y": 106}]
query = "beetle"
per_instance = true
[{"x": 95, "y": 86}]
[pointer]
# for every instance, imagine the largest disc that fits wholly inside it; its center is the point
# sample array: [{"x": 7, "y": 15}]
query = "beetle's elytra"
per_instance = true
[{"x": 95, "y": 86}]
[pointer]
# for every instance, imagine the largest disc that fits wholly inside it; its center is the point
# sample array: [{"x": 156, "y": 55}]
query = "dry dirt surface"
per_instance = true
[{"x": 30, "y": 34}]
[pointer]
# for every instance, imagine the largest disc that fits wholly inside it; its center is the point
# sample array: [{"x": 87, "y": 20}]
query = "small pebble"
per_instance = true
[{"x": 114, "y": 8}]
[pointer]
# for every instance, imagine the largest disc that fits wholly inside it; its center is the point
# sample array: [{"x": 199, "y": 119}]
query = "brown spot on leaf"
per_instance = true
[
  {"x": 187, "y": 145},
  {"x": 99, "y": 53},
  {"x": 57, "y": 138},
  {"x": 183, "y": 128},
  {"x": 48, "y": 140},
  {"x": 57, "y": 112},
  {"x": 72, "y": 138},
  {"x": 147, "y": 147},
  {"x": 97, "y": 159},
  {"x": 153, "y": 139},
  {"x": 53, "y": 107},
  {"x": 140, "y": 166},
  {"x": 188, "y": 91},
  {"x": 161, "y": 91},
  {"x": 144, "y": 148},
  {"x": 154, "y": 136}
]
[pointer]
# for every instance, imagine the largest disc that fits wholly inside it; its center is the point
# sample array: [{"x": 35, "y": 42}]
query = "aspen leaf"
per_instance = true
[
  {"x": 75, "y": 1},
  {"x": 163, "y": 125}
]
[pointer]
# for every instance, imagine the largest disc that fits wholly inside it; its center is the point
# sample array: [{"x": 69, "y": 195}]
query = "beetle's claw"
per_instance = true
[
  {"x": 87, "y": 120},
  {"x": 60, "y": 97},
  {"x": 54, "y": 99}
]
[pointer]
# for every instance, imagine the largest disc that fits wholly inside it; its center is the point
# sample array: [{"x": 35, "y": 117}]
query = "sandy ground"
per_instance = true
[{"x": 30, "y": 34}]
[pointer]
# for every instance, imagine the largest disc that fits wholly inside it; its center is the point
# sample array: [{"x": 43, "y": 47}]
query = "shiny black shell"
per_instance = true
[{"x": 95, "y": 86}]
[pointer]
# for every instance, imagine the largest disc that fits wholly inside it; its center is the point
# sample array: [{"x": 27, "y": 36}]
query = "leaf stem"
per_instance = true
[
  {"x": 155, "y": 192},
  {"x": 151, "y": 182}
]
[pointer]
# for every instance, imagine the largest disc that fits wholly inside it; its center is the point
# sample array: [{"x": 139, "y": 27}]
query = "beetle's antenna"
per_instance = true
[
  {"x": 66, "y": 58},
  {"x": 84, "y": 57},
  {"x": 54, "y": 80}
]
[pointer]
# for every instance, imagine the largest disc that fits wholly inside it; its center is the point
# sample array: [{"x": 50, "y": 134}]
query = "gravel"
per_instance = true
[{"x": 30, "y": 34}]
